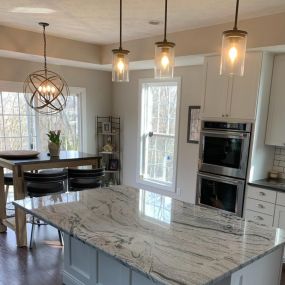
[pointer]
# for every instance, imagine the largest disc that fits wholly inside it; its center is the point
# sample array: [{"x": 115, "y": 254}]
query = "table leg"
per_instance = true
[
  {"x": 19, "y": 193},
  {"x": 2, "y": 201}
]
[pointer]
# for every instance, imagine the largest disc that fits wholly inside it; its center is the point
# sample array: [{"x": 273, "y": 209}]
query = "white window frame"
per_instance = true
[
  {"x": 11, "y": 86},
  {"x": 143, "y": 182}
]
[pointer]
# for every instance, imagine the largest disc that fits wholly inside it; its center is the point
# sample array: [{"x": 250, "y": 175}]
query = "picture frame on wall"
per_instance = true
[
  {"x": 194, "y": 124},
  {"x": 106, "y": 127}
]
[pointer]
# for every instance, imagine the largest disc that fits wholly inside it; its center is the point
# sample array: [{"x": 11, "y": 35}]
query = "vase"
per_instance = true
[{"x": 53, "y": 148}]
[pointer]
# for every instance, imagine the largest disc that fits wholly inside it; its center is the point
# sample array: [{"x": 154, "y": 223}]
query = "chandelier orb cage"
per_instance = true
[{"x": 45, "y": 91}]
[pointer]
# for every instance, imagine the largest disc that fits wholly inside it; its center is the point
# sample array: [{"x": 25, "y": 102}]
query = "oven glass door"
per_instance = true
[
  {"x": 221, "y": 192},
  {"x": 224, "y": 153}
]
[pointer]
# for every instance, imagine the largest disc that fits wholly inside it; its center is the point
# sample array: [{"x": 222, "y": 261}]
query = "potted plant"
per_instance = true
[{"x": 54, "y": 142}]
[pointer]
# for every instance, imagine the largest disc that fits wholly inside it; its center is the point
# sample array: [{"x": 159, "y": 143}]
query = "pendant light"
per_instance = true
[
  {"x": 164, "y": 55},
  {"x": 45, "y": 91},
  {"x": 120, "y": 71},
  {"x": 233, "y": 49}
]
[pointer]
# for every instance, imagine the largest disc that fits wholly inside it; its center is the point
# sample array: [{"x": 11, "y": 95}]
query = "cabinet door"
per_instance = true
[
  {"x": 215, "y": 91},
  {"x": 275, "y": 134},
  {"x": 245, "y": 89},
  {"x": 279, "y": 217}
]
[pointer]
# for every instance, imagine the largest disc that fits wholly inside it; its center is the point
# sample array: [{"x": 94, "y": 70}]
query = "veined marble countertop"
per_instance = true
[{"x": 171, "y": 242}]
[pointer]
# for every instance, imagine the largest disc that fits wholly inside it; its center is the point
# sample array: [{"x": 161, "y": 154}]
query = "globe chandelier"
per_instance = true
[{"x": 45, "y": 91}]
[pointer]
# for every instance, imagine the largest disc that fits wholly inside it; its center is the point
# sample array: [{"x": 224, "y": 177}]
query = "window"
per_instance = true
[
  {"x": 23, "y": 128},
  {"x": 158, "y": 133}
]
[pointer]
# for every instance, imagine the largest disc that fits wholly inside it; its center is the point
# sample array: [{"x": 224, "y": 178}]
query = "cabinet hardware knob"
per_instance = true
[
  {"x": 258, "y": 218},
  {"x": 260, "y": 206},
  {"x": 261, "y": 193},
  {"x": 223, "y": 115}
]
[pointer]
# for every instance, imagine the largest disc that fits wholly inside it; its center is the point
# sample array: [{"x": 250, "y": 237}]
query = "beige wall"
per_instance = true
[
  {"x": 97, "y": 84},
  {"x": 27, "y": 42},
  {"x": 125, "y": 104},
  {"x": 264, "y": 31}
]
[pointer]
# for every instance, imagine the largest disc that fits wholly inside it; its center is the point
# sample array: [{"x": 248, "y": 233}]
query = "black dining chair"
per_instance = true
[
  {"x": 43, "y": 184},
  {"x": 80, "y": 179}
]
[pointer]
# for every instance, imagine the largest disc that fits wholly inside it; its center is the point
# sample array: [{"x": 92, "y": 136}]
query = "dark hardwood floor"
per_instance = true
[{"x": 40, "y": 266}]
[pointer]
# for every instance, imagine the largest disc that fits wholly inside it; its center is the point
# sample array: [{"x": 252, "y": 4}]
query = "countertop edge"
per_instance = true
[{"x": 272, "y": 188}]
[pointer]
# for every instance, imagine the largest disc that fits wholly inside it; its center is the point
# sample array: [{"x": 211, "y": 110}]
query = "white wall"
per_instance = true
[
  {"x": 125, "y": 104},
  {"x": 97, "y": 83}
]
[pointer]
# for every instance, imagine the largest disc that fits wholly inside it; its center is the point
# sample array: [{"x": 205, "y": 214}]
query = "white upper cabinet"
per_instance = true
[
  {"x": 245, "y": 89},
  {"x": 216, "y": 89},
  {"x": 234, "y": 97},
  {"x": 275, "y": 134}
]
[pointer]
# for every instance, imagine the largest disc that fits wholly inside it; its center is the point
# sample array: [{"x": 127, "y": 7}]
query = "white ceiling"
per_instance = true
[{"x": 97, "y": 21}]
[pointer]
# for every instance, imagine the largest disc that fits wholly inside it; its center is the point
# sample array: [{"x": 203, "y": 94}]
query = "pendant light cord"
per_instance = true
[
  {"x": 45, "y": 48},
  {"x": 120, "y": 25},
  {"x": 165, "y": 21},
  {"x": 236, "y": 16}
]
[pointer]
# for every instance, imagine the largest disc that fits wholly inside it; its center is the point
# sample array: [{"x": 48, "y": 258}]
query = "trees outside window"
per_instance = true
[{"x": 23, "y": 128}]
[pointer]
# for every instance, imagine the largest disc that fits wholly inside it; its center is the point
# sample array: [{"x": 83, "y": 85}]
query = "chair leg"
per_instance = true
[
  {"x": 32, "y": 232},
  {"x": 60, "y": 237}
]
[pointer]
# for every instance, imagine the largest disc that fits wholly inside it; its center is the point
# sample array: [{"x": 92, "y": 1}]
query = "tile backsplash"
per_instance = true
[{"x": 279, "y": 161}]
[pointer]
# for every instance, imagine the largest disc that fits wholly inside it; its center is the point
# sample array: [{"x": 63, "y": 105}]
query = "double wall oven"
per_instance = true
[{"x": 223, "y": 159}]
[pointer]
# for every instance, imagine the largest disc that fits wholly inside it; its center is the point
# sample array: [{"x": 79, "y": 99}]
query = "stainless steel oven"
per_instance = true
[
  {"x": 221, "y": 192},
  {"x": 224, "y": 148}
]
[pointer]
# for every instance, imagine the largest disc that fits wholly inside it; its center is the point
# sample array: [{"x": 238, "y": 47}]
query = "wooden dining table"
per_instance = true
[{"x": 19, "y": 166}]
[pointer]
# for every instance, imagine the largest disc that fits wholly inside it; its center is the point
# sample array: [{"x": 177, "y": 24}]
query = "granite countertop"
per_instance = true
[
  {"x": 169, "y": 241},
  {"x": 271, "y": 184}
]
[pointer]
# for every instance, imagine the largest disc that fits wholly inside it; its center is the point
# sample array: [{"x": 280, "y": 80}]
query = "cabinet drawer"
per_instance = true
[
  {"x": 259, "y": 218},
  {"x": 260, "y": 206},
  {"x": 261, "y": 194},
  {"x": 280, "y": 199}
]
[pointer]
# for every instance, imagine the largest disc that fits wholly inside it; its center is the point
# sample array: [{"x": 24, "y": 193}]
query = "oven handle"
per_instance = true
[
  {"x": 219, "y": 179},
  {"x": 227, "y": 134}
]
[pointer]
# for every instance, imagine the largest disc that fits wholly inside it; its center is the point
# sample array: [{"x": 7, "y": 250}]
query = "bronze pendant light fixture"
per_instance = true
[
  {"x": 233, "y": 49},
  {"x": 164, "y": 54},
  {"x": 120, "y": 70},
  {"x": 46, "y": 91}
]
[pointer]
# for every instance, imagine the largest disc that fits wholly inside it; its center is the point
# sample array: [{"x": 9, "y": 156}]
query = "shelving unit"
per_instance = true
[{"x": 108, "y": 130}]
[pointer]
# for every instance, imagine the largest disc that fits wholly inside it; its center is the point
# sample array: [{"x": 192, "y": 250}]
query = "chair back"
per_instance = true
[
  {"x": 79, "y": 179},
  {"x": 42, "y": 184},
  {"x": 8, "y": 178}
]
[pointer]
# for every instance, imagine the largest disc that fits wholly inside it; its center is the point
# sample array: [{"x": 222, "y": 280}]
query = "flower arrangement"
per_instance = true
[{"x": 54, "y": 136}]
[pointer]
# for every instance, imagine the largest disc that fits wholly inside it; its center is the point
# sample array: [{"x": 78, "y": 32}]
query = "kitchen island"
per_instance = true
[{"x": 125, "y": 236}]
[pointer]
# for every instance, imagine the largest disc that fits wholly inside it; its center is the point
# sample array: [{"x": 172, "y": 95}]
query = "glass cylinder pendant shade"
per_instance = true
[
  {"x": 120, "y": 71},
  {"x": 233, "y": 52},
  {"x": 164, "y": 60}
]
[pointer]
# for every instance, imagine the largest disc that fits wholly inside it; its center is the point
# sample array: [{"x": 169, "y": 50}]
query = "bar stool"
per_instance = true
[
  {"x": 80, "y": 179},
  {"x": 44, "y": 184}
]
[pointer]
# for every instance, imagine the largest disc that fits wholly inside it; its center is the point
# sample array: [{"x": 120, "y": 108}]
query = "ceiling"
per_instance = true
[{"x": 96, "y": 21}]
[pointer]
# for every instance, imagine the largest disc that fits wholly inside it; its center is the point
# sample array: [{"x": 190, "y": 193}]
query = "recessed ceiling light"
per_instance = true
[
  {"x": 32, "y": 10},
  {"x": 154, "y": 22}
]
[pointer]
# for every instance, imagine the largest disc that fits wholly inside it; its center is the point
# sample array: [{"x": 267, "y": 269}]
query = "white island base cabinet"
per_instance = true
[{"x": 84, "y": 265}]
